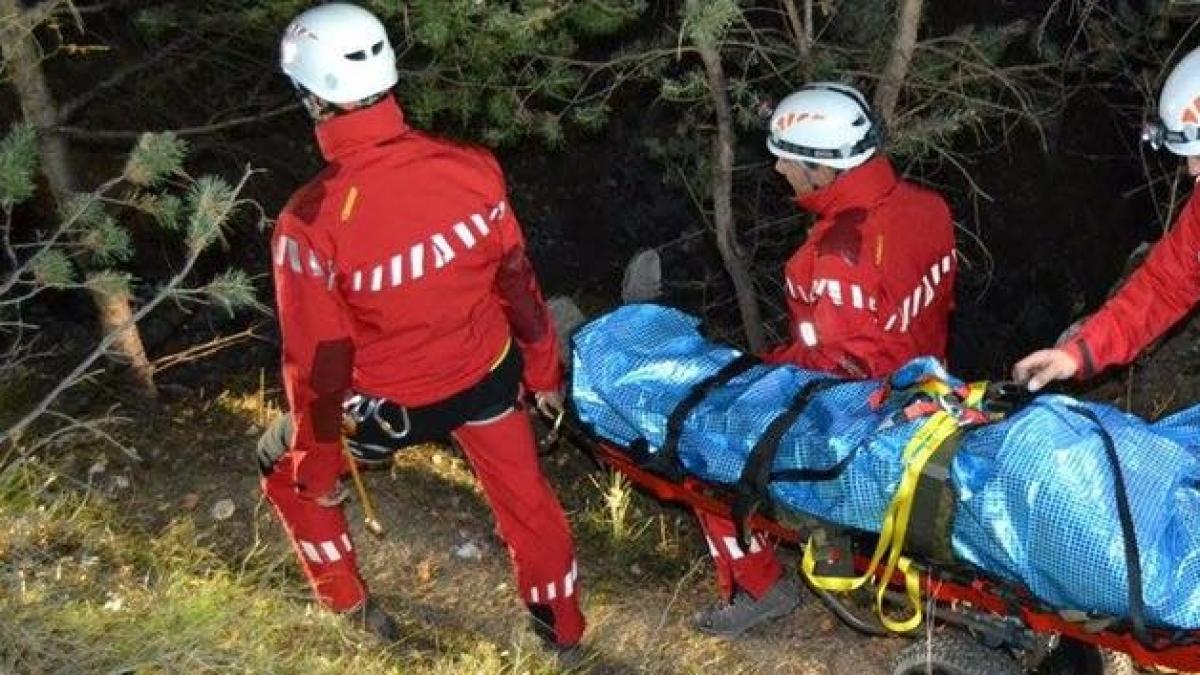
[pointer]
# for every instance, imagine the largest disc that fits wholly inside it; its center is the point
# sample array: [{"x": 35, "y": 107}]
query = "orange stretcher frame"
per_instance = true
[{"x": 980, "y": 594}]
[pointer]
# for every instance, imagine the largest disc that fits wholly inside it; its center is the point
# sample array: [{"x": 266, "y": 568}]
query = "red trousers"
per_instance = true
[
  {"x": 503, "y": 454},
  {"x": 754, "y": 571}
]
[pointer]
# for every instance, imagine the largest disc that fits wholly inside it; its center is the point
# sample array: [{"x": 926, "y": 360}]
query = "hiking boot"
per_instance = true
[
  {"x": 373, "y": 618},
  {"x": 731, "y": 619},
  {"x": 568, "y": 658}
]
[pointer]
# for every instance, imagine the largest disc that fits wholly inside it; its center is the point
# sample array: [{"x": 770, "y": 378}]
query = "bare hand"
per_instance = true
[{"x": 1043, "y": 367}]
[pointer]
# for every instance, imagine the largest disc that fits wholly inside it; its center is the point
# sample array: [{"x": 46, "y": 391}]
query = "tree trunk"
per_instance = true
[
  {"x": 908, "y": 20},
  {"x": 24, "y": 64},
  {"x": 722, "y": 184}
]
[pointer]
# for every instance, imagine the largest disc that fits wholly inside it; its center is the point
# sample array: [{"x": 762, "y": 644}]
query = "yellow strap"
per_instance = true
[
  {"x": 503, "y": 355},
  {"x": 976, "y": 392},
  {"x": 894, "y": 528}
]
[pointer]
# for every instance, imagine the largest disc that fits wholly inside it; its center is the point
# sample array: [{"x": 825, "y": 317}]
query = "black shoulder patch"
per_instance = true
[{"x": 844, "y": 238}]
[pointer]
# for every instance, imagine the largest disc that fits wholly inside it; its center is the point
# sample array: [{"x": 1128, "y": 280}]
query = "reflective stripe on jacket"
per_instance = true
[
  {"x": 400, "y": 272},
  {"x": 873, "y": 284}
]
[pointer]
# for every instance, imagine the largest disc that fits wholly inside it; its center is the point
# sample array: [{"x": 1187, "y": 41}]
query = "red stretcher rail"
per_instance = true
[{"x": 978, "y": 594}]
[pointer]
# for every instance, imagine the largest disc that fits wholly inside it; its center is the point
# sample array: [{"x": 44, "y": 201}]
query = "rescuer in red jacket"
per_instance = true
[
  {"x": 406, "y": 302},
  {"x": 1167, "y": 285},
  {"x": 871, "y": 288}
]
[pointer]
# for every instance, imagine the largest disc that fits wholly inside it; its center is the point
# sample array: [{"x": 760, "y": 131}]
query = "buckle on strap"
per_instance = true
[{"x": 359, "y": 409}]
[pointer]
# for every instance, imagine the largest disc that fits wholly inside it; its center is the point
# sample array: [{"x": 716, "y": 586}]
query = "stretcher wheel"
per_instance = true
[
  {"x": 953, "y": 653},
  {"x": 1075, "y": 658}
]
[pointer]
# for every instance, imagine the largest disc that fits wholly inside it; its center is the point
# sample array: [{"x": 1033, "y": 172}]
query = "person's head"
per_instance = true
[
  {"x": 339, "y": 58},
  {"x": 820, "y": 131},
  {"x": 1177, "y": 124}
]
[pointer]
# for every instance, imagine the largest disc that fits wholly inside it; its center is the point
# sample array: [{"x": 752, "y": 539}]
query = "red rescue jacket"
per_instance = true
[
  {"x": 872, "y": 286},
  {"x": 1164, "y": 288},
  {"x": 400, "y": 271}
]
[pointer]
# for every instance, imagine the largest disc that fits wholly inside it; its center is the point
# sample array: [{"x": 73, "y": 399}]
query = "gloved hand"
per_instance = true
[
  {"x": 1043, "y": 367},
  {"x": 549, "y": 403}
]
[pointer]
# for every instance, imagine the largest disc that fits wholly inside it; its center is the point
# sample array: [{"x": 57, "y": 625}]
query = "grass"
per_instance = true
[
  {"x": 101, "y": 580},
  {"x": 83, "y": 592}
]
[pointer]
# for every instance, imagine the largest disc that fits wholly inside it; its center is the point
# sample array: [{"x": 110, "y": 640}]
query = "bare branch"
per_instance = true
[
  {"x": 205, "y": 350},
  {"x": 122, "y": 135},
  {"x": 888, "y": 92},
  {"x": 68, "y": 110},
  {"x": 801, "y": 31},
  {"x": 92, "y": 427},
  {"x": 722, "y": 183}
]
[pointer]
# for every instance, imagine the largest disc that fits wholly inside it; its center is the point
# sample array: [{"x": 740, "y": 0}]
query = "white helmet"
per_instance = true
[
  {"x": 825, "y": 123},
  {"x": 340, "y": 52},
  {"x": 1178, "y": 123}
]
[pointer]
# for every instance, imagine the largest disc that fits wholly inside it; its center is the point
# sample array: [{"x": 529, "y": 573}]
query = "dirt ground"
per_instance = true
[{"x": 440, "y": 568}]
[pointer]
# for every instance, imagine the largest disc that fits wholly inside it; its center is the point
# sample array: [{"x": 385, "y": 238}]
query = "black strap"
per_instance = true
[
  {"x": 1133, "y": 561},
  {"x": 751, "y": 489},
  {"x": 934, "y": 504},
  {"x": 816, "y": 475},
  {"x": 666, "y": 460}
]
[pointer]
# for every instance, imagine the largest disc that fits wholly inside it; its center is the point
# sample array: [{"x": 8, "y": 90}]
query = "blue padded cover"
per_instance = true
[{"x": 1036, "y": 503}]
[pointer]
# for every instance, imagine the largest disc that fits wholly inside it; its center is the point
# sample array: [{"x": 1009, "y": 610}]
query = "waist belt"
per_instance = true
[{"x": 381, "y": 427}]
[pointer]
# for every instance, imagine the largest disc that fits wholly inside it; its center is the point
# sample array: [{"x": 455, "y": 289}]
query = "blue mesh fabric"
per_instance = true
[{"x": 1036, "y": 503}]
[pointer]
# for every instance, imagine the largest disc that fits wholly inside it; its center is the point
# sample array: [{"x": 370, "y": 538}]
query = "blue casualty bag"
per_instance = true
[{"x": 1038, "y": 494}]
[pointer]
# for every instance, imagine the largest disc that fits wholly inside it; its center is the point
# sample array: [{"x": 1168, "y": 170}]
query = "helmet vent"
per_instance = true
[
  {"x": 376, "y": 48},
  {"x": 360, "y": 55}
]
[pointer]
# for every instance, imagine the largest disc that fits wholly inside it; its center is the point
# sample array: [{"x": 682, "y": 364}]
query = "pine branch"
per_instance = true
[
  {"x": 111, "y": 337},
  {"x": 46, "y": 244}
]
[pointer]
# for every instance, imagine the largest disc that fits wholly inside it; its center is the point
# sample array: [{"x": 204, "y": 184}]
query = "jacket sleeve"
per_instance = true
[
  {"x": 517, "y": 288},
  {"x": 318, "y": 355},
  {"x": 1156, "y": 296}
]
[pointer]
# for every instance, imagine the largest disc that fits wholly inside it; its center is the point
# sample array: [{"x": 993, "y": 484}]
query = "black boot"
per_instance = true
[
  {"x": 541, "y": 620},
  {"x": 373, "y": 618}
]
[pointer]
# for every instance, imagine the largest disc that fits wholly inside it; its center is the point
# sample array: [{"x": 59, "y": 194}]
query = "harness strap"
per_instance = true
[
  {"x": 894, "y": 529},
  {"x": 1133, "y": 561},
  {"x": 666, "y": 461},
  {"x": 933, "y": 505},
  {"x": 751, "y": 489}
]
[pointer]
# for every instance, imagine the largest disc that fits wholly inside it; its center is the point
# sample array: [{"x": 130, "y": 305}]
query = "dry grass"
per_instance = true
[{"x": 98, "y": 578}]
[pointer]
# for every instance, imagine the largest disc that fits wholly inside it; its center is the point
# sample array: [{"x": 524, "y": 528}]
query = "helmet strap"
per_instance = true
[{"x": 320, "y": 110}]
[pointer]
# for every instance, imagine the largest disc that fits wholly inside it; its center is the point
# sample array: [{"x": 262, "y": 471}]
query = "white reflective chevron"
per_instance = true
[
  {"x": 330, "y": 551},
  {"x": 808, "y": 333},
  {"x": 397, "y": 269},
  {"x": 464, "y": 233},
  {"x": 310, "y": 551},
  {"x": 416, "y": 261},
  {"x": 443, "y": 248},
  {"x": 442, "y": 253}
]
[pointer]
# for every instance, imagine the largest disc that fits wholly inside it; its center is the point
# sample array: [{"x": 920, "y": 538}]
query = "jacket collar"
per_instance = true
[
  {"x": 861, "y": 186},
  {"x": 343, "y": 135}
]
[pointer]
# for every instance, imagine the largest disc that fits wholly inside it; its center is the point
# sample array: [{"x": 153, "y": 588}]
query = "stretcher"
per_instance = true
[{"x": 984, "y": 626}]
